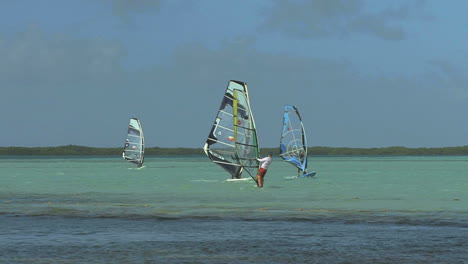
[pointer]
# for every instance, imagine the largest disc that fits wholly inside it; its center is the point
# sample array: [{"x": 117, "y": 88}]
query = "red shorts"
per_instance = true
[{"x": 262, "y": 172}]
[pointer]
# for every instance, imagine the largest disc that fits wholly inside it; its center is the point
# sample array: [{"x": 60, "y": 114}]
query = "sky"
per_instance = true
[{"x": 362, "y": 73}]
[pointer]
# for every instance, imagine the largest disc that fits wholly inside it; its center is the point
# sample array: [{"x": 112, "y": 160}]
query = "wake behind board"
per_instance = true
[
  {"x": 137, "y": 168},
  {"x": 239, "y": 180}
]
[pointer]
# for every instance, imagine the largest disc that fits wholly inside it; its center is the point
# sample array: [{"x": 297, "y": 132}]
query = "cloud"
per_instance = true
[
  {"x": 340, "y": 106},
  {"x": 35, "y": 57},
  {"x": 323, "y": 18},
  {"x": 68, "y": 90},
  {"x": 55, "y": 85},
  {"x": 450, "y": 77},
  {"x": 125, "y": 9}
]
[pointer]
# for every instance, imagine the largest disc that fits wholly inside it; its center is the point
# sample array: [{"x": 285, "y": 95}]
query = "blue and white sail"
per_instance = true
[
  {"x": 232, "y": 142},
  {"x": 293, "y": 143},
  {"x": 134, "y": 148}
]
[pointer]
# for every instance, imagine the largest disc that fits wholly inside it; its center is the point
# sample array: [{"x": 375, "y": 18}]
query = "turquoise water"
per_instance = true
[{"x": 174, "y": 210}]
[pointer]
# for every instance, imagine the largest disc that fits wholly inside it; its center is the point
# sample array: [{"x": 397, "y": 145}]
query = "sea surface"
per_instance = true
[{"x": 182, "y": 210}]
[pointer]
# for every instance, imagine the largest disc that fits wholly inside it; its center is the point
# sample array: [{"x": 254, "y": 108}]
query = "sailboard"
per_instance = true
[
  {"x": 134, "y": 148},
  {"x": 293, "y": 143},
  {"x": 232, "y": 142}
]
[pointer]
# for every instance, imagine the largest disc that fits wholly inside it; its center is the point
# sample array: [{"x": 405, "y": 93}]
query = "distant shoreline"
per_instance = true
[{"x": 74, "y": 150}]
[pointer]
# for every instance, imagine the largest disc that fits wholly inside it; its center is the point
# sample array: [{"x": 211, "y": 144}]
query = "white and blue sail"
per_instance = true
[
  {"x": 232, "y": 142},
  {"x": 293, "y": 143},
  {"x": 134, "y": 148}
]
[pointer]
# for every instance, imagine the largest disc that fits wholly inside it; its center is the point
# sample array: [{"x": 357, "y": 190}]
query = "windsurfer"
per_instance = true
[{"x": 263, "y": 169}]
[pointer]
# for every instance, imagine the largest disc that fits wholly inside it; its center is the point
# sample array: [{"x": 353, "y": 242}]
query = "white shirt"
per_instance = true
[{"x": 265, "y": 162}]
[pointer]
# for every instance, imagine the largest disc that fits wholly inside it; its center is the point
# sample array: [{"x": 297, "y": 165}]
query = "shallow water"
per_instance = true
[{"x": 181, "y": 210}]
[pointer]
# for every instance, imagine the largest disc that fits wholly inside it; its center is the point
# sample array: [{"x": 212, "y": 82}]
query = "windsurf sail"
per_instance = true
[
  {"x": 134, "y": 148},
  {"x": 293, "y": 143},
  {"x": 232, "y": 142}
]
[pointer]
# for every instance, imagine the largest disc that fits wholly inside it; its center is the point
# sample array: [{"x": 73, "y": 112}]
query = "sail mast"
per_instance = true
[{"x": 246, "y": 133}]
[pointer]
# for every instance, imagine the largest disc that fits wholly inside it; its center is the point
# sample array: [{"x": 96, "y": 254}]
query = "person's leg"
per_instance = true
[
  {"x": 260, "y": 175},
  {"x": 260, "y": 182},
  {"x": 258, "y": 178}
]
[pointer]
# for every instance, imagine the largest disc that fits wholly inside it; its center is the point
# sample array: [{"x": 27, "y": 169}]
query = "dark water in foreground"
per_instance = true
[
  {"x": 109, "y": 240},
  {"x": 356, "y": 210}
]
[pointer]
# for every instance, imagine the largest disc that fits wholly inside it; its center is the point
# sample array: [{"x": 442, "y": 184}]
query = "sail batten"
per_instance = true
[
  {"x": 226, "y": 128},
  {"x": 248, "y": 145},
  {"x": 232, "y": 141},
  {"x": 226, "y": 113},
  {"x": 223, "y": 143},
  {"x": 134, "y": 147}
]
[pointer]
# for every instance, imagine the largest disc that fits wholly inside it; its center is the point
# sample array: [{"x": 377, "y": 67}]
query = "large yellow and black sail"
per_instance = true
[{"x": 232, "y": 142}]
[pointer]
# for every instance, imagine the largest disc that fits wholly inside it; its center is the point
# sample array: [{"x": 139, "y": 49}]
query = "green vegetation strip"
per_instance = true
[{"x": 73, "y": 150}]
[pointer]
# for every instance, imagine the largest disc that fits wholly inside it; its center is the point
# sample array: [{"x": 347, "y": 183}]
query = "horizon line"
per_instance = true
[{"x": 73, "y": 145}]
